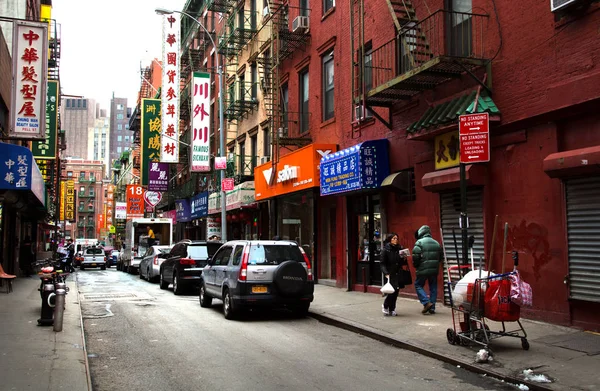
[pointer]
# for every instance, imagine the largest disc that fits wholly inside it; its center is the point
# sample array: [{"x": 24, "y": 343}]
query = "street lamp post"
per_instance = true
[{"x": 163, "y": 11}]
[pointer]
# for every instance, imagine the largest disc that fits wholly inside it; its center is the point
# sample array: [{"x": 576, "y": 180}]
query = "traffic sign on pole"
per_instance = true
[{"x": 474, "y": 138}]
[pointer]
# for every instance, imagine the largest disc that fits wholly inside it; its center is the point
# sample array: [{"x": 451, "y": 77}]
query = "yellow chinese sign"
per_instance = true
[
  {"x": 110, "y": 198},
  {"x": 70, "y": 201},
  {"x": 447, "y": 150},
  {"x": 62, "y": 204}
]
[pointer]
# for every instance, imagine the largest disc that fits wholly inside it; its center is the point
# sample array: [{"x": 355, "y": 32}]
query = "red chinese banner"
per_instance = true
[{"x": 169, "y": 150}]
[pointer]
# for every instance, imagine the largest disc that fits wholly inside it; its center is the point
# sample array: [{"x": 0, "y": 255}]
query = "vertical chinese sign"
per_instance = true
[
  {"x": 70, "y": 201},
  {"x": 110, "y": 198},
  {"x": 30, "y": 77},
  {"x": 169, "y": 144},
  {"x": 61, "y": 215},
  {"x": 46, "y": 149},
  {"x": 200, "y": 153},
  {"x": 150, "y": 129},
  {"x": 135, "y": 201}
]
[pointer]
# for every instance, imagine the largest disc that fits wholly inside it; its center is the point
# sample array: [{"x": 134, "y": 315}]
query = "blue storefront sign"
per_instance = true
[
  {"x": 18, "y": 171},
  {"x": 199, "y": 205},
  {"x": 184, "y": 213},
  {"x": 363, "y": 166}
]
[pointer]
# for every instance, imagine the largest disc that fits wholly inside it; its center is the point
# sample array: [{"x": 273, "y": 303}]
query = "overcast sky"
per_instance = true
[{"x": 103, "y": 43}]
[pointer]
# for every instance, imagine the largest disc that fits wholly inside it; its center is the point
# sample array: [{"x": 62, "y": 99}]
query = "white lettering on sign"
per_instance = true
[{"x": 288, "y": 173}]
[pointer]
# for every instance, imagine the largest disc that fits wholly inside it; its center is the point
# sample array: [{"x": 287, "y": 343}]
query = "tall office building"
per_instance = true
[
  {"x": 78, "y": 116},
  {"x": 98, "y": 141},
  {"x": 120, "y": 136}
]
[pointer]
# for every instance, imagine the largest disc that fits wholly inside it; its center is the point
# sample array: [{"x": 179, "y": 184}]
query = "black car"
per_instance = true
[{"x": 184, "y": 264}]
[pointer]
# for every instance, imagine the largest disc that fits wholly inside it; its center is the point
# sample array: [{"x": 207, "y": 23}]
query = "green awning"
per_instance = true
[{"x": 448, "y": 112}]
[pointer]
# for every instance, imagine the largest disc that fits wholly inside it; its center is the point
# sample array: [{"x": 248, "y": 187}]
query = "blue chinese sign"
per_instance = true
[
  {"x": 18, "y": 171},
  {"x": 199, "y": 205},
  {"x": 363, "y": 166},
  {"x": 184, "y": 214}
]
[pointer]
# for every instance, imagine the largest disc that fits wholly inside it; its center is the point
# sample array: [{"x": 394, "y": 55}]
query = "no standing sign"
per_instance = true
[{"x": 474, "y": 138}]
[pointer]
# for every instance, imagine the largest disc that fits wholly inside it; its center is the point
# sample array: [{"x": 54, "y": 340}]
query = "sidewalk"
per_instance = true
[
  {"x": 38, "y": 358},
  {"x": 574, "y": 366}
]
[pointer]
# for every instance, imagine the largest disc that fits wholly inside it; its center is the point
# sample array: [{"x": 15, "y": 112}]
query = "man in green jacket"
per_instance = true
[{"x": 427, "y": 256}]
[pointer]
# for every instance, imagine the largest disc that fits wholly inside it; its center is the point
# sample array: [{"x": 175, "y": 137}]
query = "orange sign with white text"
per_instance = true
[
  {"x": 135, "y": 201},
  {"x": 295, "y": 171}
]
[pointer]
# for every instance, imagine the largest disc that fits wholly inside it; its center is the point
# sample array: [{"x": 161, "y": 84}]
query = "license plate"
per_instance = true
[
  {"x": 93, "y": 264},
  {"x": 259, "y": 289}
]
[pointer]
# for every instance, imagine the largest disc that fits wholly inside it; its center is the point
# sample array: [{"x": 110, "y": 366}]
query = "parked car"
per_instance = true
[
  {"x": 184, "y": 264},
  {"x": 114, "y": 257},
  {"x": 94, "y": 256},
  {"x": 150, "y": 264},
  {"x": 245, "y": 274}
]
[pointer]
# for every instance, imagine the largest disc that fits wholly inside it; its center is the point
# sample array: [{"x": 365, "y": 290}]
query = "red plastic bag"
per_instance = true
[{"x": 498, "y": 305}]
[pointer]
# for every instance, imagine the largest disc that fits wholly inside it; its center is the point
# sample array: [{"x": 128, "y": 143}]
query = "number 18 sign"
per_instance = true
[{"x": 135, "y": 201}]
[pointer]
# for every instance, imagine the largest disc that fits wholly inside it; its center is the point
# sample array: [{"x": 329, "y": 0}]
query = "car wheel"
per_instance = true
[
  {"x": 141, "y": 274},
  {"x": 228, "y": 308},
  {"x": 177, "y": 288},
  {"x": 205, "y": 300},
  {"x": 102, "y": 267},
  {"x": 81, "y": 267},
  {"x": 163, "y": 283},
  {"x": 301, "y": 310}
]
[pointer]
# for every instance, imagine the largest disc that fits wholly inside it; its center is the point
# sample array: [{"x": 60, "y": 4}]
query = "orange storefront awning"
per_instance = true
[{"x": 295, "y": 171}]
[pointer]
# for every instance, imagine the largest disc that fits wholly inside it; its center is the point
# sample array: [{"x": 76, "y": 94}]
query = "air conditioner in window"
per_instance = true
[
  {"x": 300, "y": 24},
  {"x": 558, "y": 5},
  {"x": 265, "y": 11},
  {"x": 360, "y": 113},
  {"x": 264, "y": 159}
]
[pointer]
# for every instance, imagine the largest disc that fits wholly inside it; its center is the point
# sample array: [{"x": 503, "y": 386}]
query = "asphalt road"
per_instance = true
[{"x": 142, "y": 338}]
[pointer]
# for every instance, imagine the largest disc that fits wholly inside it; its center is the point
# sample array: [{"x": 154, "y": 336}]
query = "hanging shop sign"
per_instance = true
[
  {"x": 170, "y": 214},
  {"x": 152, "y": 199},
  {"x": 474, "y": 138},
  {"x": 120, "y": 210},
  {"x": 220, "y": 163},
  {"x": 110, "y": 199},
  {"x": 169, "y": 143},
  {"x": 295, "y": 171},
  {"x": 158, "y": 176},
  {"x": 29, "y": 80},
  {"x": 447, "y": 150},
  {"x": 242, "y": 196},
  {"x": 363, "y": 166},
  {"x": 184, "y": 213},
  {"x": 150, "y": 136},
  {"x": 61, "y": 211},
  {"x": 213, "y": 228},
  {"x": 19, "y": 172},
  {"x": 135, "y": 201},
  {"x": 46, "y": 149},
  {"x": 227, "y": 184},
  {"x": 199, "y": 205},
  {"x": 200, "y": 153},
  {"x": 70, "y": 201}
]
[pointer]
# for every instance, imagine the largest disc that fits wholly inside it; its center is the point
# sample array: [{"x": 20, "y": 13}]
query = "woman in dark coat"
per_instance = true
[{"x": 391, "y": 264}]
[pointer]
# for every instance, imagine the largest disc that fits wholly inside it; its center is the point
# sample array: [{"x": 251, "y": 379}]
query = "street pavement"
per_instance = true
[{"x": 37, "y": 358}]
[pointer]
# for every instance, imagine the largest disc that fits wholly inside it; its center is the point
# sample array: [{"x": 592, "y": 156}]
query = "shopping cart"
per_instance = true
[{"x": 485, "y": 299}]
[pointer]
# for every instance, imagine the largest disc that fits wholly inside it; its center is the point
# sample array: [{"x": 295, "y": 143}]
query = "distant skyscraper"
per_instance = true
[
  {"x": 120, "y": 136},
  {"x": 98, "y": 141},
  {"x": 77, "y": 118}
]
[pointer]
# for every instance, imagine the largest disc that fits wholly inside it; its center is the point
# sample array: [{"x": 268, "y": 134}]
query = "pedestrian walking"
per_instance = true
[
  {"x": 427, "y": 256},
  {"x": 391, "y": 264},
  {"x": 70, "y": 256}
]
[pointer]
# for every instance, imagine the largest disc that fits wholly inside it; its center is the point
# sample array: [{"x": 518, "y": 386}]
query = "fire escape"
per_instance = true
[
  {"x": 424, "y": 54},
  {"x": 241, "y": 95},
  {"x": 289, "y": 33}
]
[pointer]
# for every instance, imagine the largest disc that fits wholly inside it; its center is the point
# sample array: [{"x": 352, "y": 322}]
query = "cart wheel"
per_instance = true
[
  {"x": 451, "y": 335},
  {"x": 524, "y": 343},
  {"x": 464, "y": 341}
]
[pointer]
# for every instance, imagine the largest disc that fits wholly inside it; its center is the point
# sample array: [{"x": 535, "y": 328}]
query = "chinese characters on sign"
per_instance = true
[
  {"x": 61, "y": 215},
  {"x": 199, "y": 205},
  {"x": 110, "y": 198},
  {"x": 227, "y": 184},
  {"x": 158, "y": 176},
  {"x": 70, "y": 201},
  {"x": 135, "y": 201},
  {"x": 120, "y": 210},
  {"x": 446, "y": 150},
  {"x": 150, "y": 136},
  {"x": 220, "y": 163},
  {"x": 15, "y": 172},
  {"x": 200, "y": 154},
  {"x": 46, "y": 149},
  {"x": 30, "y": 63},
  {"x": 169, "y": 143}
]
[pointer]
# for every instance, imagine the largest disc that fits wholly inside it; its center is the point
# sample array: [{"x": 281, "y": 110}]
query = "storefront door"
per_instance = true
[{"x": 364, "y": 230}]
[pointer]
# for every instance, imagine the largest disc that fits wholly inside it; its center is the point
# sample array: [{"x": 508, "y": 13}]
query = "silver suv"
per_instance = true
[
  {"x": 245, "y": 274},
  {"x": 94, "y": 257}
]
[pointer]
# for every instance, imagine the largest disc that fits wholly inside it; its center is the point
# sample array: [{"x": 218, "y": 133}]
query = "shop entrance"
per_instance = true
[{"x": 364, "y": 236}]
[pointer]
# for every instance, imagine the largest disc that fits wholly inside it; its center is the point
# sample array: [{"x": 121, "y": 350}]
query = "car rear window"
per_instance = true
[
  {"x": 271, "y": 254},
  {"x": 163, "y": 250},
  {"x": 198, "y": 252},
  {"x": 94, "y": 251}
]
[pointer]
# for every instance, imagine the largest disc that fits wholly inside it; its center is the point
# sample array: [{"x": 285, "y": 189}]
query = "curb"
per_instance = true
[
  {"x": 344, "y": 324},
  {"x": 85, "y": 354}
]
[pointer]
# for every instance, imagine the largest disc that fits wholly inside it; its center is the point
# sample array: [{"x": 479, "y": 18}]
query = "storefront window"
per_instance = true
[
  {"x": 295, "y": 219},
  {"x": 367, "y": 231}
]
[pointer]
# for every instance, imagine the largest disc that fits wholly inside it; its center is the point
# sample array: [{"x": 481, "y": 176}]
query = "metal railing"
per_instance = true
[
  {"x": 457, "y": 35},
  {"x": 294, "y": 124}
]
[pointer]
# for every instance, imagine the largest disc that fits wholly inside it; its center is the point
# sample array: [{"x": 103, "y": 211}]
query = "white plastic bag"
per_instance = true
[
  {"x": 387, "y": 289},
  {"x": 459, "y": 295}
]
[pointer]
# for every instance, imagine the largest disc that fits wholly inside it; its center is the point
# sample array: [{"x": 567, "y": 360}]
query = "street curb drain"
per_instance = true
[{"x": 332, "y": 321}]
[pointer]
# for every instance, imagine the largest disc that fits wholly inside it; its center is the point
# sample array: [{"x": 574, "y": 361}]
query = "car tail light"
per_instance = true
[
  {"x": 308, "y": 268},
  {"x": 155, "y": 260},
  {"x": 187, "y": 261},
  {"x": 244, "y": 268}
]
